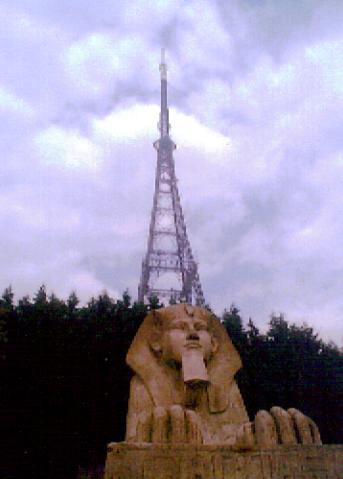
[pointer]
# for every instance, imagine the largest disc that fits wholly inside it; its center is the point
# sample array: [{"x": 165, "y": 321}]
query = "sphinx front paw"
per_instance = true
[
  {"x": 244, "y": 439},
  {"x": 289, "y": 427},
  {"x": 238, "y": 437},
  {"x": 174, "y": 425}
]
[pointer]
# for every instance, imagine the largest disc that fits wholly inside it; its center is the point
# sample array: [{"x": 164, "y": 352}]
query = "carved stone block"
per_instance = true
[{"x": 150, "y": 461}]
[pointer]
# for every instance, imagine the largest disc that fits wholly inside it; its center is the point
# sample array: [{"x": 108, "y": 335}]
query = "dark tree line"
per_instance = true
[
  {"x": 289, "y": 366},
  {"x": 64, "y": 383}
]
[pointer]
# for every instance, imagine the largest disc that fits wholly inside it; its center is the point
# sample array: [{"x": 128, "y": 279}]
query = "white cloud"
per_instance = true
[
  {"x": 138, "y": 121},
  {"x": 326, "y": 60},
  {"x": 93, "y": 63},
  {"x": 105, "y": 63},
  {"x": 190, "y": 133},
  {"x": 199, "y": 33},
  {"x": 69, "y": 149},
  {"x": 127, "y": 124},
  {"x": 10, "y": 103}
]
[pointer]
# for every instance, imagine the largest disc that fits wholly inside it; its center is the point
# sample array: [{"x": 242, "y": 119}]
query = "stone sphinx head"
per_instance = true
[
  {"x": 187, "y": 344},
  {"x": 176, "y": 335}
]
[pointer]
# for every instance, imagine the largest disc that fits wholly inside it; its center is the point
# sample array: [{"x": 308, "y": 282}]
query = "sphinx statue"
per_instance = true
[{"x": 184, "y": 389}]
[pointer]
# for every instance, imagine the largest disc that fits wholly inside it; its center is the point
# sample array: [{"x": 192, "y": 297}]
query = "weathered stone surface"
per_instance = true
[
  {"x": 160, "y": 427},
  {"x": 151, "y": 461},
  {"x": 265, "y": 430},
  {"x": 284, "y": 426},
  {"x": 306, "y": 430}
]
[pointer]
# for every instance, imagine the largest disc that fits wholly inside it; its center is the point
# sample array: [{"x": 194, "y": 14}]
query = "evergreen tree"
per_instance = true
[{"x": 233, "y": 324}]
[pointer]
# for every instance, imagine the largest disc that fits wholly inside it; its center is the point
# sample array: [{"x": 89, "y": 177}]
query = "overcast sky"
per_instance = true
[{"x": 256, "y": 107}]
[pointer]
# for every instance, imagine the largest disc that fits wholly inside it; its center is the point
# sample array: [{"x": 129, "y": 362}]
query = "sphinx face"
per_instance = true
[{"x": 186, "y": 334}]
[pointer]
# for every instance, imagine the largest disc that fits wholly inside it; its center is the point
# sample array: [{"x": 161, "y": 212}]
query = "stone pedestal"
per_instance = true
[{"x": 151, "y": 461}]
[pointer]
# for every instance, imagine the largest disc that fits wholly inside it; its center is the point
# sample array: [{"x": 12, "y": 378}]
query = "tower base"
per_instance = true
[{"x": 150, "y": 461}]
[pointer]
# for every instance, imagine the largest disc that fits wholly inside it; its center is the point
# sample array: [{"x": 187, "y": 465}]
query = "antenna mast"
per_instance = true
[{"x": 164, "y": 114}]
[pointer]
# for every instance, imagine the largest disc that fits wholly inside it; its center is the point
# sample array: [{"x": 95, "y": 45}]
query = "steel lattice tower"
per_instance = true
[{"x": 169, "y": 270}]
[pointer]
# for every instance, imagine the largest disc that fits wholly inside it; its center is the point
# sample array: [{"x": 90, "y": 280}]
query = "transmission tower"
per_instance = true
[{"x": 169, "y": 270}]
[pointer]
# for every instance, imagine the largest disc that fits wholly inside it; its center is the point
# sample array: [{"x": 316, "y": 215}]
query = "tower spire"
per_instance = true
[
  {"x": 164, "y": 114},
  {"x": 169, "y": 270}
]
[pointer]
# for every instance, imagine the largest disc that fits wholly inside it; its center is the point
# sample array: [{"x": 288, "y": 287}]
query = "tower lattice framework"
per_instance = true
[{"x": 169, "y": 270}]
